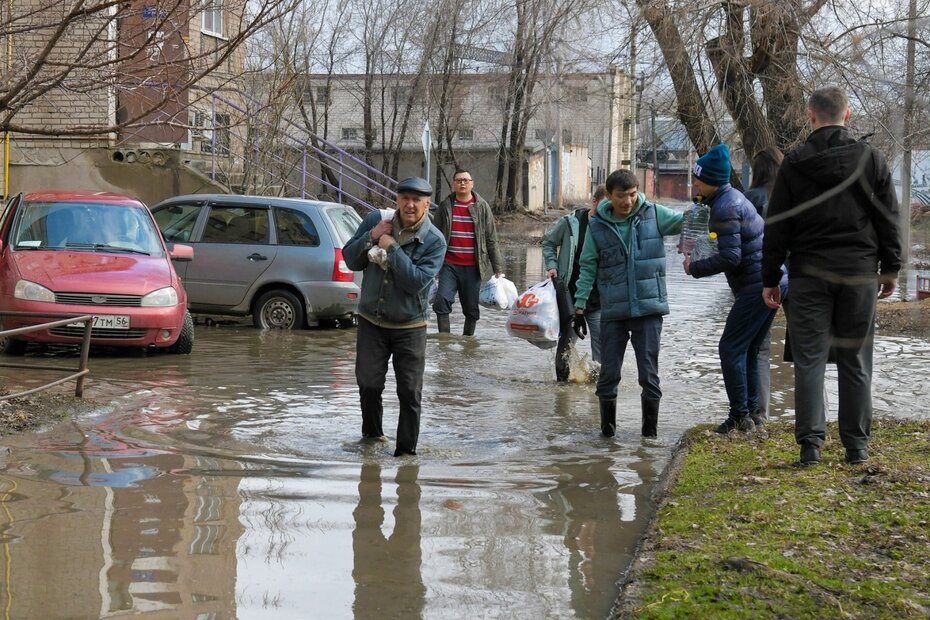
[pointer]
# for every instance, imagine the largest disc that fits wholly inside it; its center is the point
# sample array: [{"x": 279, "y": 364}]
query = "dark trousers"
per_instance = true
[
  {"x": 567, "y": 337},
  {"x": 645, "y": 333},
  {"x": 747, "y": 325},
  {"x": 407, "y": 347},
  {"x": 466, "y": 281},
  {"x": 842, "y": 315}
]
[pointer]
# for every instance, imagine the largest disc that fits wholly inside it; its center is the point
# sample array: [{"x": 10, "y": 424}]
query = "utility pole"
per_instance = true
[
  {"x": 655, "y": 156},
  {"x": 905, "y": 216},
  {"x": 632, "y": 78}
]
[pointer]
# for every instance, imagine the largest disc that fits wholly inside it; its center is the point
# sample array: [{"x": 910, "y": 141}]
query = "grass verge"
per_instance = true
[{"x": 743, "y": 533}]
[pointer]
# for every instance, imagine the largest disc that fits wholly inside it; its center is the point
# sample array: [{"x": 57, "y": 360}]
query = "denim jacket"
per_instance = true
[{"x": 396, "y": 297}]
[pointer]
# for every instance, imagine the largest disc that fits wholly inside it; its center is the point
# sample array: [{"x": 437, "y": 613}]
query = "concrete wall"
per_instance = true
[{"x": 148, "y": 174}]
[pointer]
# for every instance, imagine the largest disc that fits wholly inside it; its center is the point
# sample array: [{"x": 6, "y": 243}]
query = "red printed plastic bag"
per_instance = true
[{"x": 535, "y": 316}]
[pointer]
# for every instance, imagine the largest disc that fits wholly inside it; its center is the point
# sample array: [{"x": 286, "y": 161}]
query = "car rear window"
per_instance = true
[
  {"x": 345, "y": 221},
  {"x": 295, "y": 228},
  {"x": 228, "y": 224}
]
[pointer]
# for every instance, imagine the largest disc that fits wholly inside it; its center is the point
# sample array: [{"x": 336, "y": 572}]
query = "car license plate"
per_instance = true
[{"x": 107, "y": 321}]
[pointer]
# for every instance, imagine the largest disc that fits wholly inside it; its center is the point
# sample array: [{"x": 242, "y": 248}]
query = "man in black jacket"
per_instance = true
[{"x": 833, "y": 216}]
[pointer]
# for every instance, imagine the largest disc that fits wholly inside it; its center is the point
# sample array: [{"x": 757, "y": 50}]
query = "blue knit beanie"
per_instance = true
[{"x": 713, "y": 167}]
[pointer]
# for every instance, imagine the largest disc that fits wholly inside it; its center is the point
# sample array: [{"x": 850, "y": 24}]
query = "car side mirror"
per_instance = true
[{"x": 181, "y": 253}]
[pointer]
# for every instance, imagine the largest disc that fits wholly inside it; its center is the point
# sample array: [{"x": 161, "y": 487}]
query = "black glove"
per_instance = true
[{"x": 580, "y": 325}]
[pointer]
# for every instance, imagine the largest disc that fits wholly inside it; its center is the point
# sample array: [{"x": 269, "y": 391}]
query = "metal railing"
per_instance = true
[
  {"x": 356, "y": 182},
  {"x": 66, "y": 319}
]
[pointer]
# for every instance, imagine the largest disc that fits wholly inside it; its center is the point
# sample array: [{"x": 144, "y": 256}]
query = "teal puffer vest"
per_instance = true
[{"x": 631, "y": 280}]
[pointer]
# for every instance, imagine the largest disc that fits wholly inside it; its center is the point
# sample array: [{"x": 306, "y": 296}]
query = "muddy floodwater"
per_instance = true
[{"x": 231, "y": 483}]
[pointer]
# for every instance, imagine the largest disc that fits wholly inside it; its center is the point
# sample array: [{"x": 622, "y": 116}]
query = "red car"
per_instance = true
[{"x": 93, "y": 253}]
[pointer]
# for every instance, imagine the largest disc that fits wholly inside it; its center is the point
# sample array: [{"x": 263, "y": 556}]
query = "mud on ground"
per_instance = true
[
  {"x": 904, "y": 317},
  {"x": 26, "y": 413}
]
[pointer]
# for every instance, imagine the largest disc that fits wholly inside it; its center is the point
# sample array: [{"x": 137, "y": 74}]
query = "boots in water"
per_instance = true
[
  {"x": 469, "y": 329},
  {"x": 650, "y": 417},
  {"x": 442, "y": 321},
  {"x": 608, "y": 416}
]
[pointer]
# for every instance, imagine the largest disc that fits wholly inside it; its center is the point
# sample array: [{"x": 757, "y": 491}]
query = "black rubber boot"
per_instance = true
[
  {"x": 608, "y": 416},
  {"x": 442, "y": 320},
  {"x": 650, "y": 417},
  {"x": 469, "y": 329}
]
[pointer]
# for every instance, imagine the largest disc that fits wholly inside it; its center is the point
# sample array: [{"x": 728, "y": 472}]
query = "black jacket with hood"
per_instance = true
[{"x": 833, "y": 211}]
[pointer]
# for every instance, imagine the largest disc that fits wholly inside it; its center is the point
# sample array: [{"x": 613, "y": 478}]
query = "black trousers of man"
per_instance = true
[{"x": 407, "y": 349}]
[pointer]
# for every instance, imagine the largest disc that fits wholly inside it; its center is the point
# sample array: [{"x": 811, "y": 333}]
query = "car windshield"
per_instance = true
[
  {"x": 345, "y": 221},
  {"x": 95, "y": 227}
]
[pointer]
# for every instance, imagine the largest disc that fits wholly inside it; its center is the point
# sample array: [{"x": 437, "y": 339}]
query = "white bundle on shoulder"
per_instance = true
[{"x": 376, "y": 254}]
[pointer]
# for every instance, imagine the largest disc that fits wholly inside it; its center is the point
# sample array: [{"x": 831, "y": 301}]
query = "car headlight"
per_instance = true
[
  {"x": 30, "y": 291},
  {"x": 162, "y": 297}
]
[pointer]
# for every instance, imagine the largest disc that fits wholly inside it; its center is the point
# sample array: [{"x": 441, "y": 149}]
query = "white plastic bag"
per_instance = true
[
  {"x": 498, "y": 293},
  {"x": 433, "y": 291},
  {"x": 535, "y": 316}
]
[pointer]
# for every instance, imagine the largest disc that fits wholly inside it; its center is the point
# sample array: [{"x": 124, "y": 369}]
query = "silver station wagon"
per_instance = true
[{"x": 277, "y": 259}]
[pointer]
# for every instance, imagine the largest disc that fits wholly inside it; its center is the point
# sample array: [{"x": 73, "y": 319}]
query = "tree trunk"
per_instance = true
[{"x": 691, "y": 110}]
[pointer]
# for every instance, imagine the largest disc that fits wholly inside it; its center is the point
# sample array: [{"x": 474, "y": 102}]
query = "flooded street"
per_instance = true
[{"x": 231, "y": 483}]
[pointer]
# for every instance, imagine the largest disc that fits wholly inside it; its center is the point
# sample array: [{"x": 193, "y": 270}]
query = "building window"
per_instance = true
[
  {"x": 466, "y": 134},
  {"x": 566, "y": 136},
  {"x": 576, "y": 94},
  {"x": 212, "y": 18},
  {"x": 351, "y": 133},
  {"x": 216, "y": 138},
  {"x": 496, "y": 96},
  {"x": 401, "y": 95}
]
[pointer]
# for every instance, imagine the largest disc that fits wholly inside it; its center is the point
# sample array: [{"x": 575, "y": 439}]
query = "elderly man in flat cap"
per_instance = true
[{"x": 393, "y": 307}]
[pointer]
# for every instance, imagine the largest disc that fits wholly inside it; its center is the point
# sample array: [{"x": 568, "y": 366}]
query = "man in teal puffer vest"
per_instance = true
[{"x": 624, "y": 252}]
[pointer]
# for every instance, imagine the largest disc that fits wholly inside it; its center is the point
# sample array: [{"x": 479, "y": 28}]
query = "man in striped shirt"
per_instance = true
[{"x": 472, "y": 256}]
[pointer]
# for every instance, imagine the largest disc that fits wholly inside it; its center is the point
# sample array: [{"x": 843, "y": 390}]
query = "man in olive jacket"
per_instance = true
[
  {"x": 472, "y": 257},
  {"x": 833, "y": 215}
]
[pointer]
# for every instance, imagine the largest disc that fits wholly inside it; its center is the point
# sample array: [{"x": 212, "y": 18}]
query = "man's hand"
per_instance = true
[
  {"x": 385, "y": 241},
  {"x": 580, "y": 325},
  {"x": 687, "y": 264},
  {"x": 888, "y": 283},
  {"x": 499, "y": 274},
  {"x": 552, "y": 274},
  {"x": 384, "y": 227},
  {"x": 771, "y": 295}
]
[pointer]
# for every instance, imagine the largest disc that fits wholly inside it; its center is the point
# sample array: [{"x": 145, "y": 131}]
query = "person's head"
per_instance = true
[
  {"x": 828, "y": 106},
  {"x": 413, "y": 198},
  {"x": 765, "y": 166},
  {"x": 599, "y": 193},
  {"x": 711, "y": 170},
  {"x": 462, "y": 183},
  {"x": 622, "y": 188}
]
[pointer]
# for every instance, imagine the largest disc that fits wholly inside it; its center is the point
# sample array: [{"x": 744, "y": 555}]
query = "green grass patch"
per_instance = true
[{"x": 744, "y": 533}]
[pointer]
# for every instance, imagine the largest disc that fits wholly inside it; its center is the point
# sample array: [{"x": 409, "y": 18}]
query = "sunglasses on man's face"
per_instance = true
[{"x": 463, "y": 180}]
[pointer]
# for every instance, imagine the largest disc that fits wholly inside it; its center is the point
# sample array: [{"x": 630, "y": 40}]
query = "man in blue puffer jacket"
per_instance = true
[{"x": 738, "y": 227}]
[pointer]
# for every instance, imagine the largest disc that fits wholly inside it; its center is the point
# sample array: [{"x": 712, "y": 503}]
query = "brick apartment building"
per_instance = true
[{"x": 105, "y": 69}]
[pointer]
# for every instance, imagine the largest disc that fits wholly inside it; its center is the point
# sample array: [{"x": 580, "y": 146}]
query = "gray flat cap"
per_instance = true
[{"x": 415, "y": 185}]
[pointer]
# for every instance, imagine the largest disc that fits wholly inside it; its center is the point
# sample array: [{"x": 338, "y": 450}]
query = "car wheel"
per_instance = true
[
  {"x": 12, "y": 346},
  {"x": 185, "y": 342},
  {"x": 278, "y": 309}
]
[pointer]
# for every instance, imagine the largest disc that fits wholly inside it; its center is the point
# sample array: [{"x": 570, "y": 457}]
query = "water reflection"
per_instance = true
[{"x": 386, "y": 566}]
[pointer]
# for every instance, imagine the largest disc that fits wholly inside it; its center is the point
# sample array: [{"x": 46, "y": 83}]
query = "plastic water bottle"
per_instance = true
[
  {"x": 705, "y": 246},
  {"x": 693, "y": 227}
]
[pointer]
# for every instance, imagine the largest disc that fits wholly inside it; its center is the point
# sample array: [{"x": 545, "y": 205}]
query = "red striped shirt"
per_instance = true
[{"x": 461, "y": 249}]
